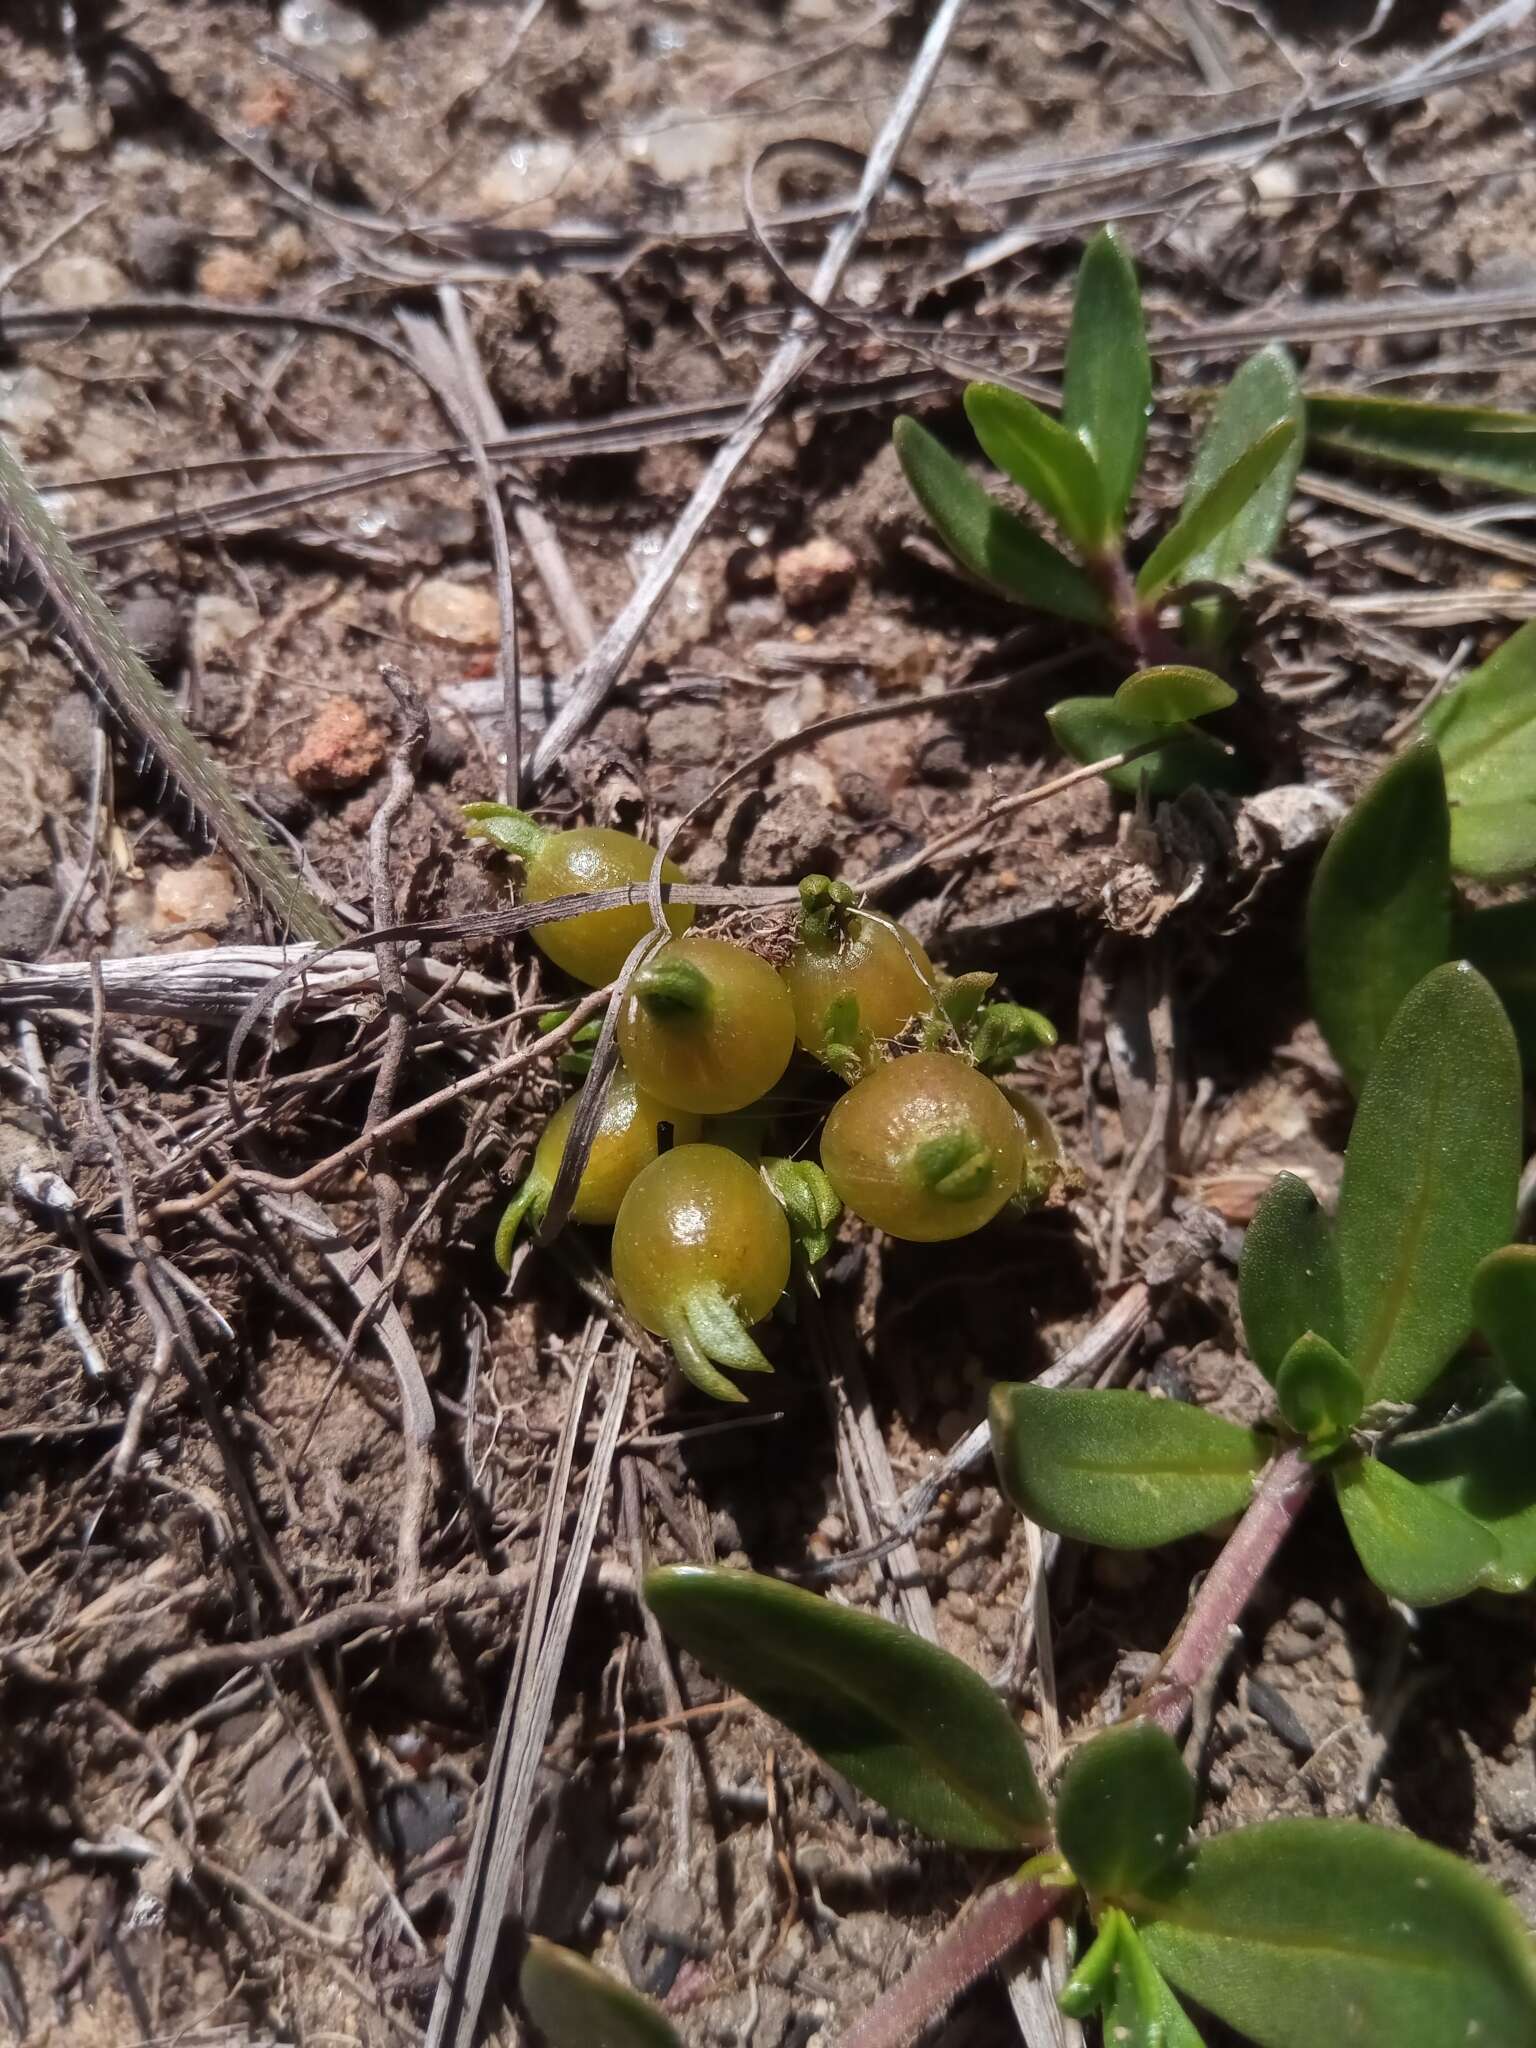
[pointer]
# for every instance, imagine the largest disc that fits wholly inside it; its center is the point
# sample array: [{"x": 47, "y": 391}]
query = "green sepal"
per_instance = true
[
  {"x": 961, "y": 997},
  {"x": 808, "y": 1201},
  {"x": 911, "y": 1726},
  {"x": 1417, "y": 1546},
  {"x": 1005, "y": 1032},
  {"x": 1288, "y": 1276},
  {"x": 846, "y": 1047},
  {"x": 1208, "y": 513},
  {"x": 1379, "y": 912},
  {"x": 1484, "y": 1464},
  {"x": 1042, "y": 458},
  {"x": 1300, "y": 1933},
  {"x": 1124, "y": 1808},
  {"x": 1089, "y": 1985},
  {"x": 1089, "y": 729},
  {"x": 956, "y": 1166},
  {"x": 529, "y": 1203},
  {"x": 1429, "y": 1182},
  {"x": 1319, "y": 1392},
  {"x": 1107, "y": 379},
  {"x": 576, "y": 2005},
  {"x": 511, "y": 830},
  {"x": 1121, "y": 1469},
  {"x": 1504, "y": 1309},
  {"x": 1485, "y": 729},
  {"x": 1171, "y": 694},
  {"x": 707, "y": 1334},
  {"x": 824, "y": 908},
  {"x": 673, "y": 989},
  {"x": 988, "y": 539}
]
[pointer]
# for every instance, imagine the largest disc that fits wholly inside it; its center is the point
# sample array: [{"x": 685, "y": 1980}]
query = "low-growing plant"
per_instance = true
[
  {"x": 1081, "y": 471},
  {"x": 1353, "y": 1320},
  {"x": 1383, "y": 910},
  {"x": 1294, "y": 1932}
]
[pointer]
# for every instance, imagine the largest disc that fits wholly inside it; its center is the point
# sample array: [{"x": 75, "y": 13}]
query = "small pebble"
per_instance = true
[
  {"x": 29, "y": 400},
  {"x": 525, "y": 171},
  {"x": 153, "y": 626},
  {"x": 81, "y": 281},
  {"x": 460, "y": 614},
  {"x": 76, "y": 129},
  {"x": 816, "y": 574},
  {"x": 221, "y": 625},
  {"x": 342, "y": 37},
  {"x": 239, "y": 276},
  {"x": 341, "y": 749},
  {"x": 199, "y": 898},
  {"x": 26, "y": 920}
]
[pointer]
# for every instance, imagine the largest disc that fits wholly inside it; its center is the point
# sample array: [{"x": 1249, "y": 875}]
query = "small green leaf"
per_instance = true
[
  {"x": 1501, "y": 944},
  {"x": 575, "y": 2005},
  {"x": 1416, "y": 1545},
  {"x": 1170, "y": 695},
  {"x": 1264, "y": 394},
  {"x": 1447, "y": 440},
  {"x": 1484, "y": 1464},
  {"x": 988, "y": 539},
  {"x": 1090, "y": 1982},
  {"x": 1118, "y": 1468},
  {"x": 1319, "y": 1392},
  {"x": 1107, "y": 388},
  {"x": 1429, "y": 1181},
  {"x": 1301, "y": 1933},
  {"x": 1005, "y": 1032},
  {"x": 1504, "y": 1309},
  {"x": 1485, "y": 729},
  {"x": 1288, "y": 1278},
  {"x": 1089, "y": 729},
  {"x": 1379, "y": 915},
  {"x": 1142, "y": 2012},
  {"x": 908, "y": 1724},
  {"x": 1042, "y": 458},
  {"x": 1207, "y": 517},
  {"x": 1124, "y": 1808}
]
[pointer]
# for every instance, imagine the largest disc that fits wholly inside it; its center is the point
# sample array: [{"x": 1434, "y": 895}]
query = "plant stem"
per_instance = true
[
  {"x": 1001, "y": 1919},
  {"x": 1228, "y": 1586},
  {"x": 997, "y": 1923}
]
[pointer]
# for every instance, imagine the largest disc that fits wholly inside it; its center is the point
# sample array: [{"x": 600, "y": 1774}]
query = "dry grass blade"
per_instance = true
[
  {"x": 38, "y": 570},
  {"x": 501, "y": 1823},
  {"x": 219, "y": 984}
]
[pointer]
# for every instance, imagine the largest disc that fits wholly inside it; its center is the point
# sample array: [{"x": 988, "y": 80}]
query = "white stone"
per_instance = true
[
  {"x": 199, "y": 898},
  {"x": 339, "y": 35},
  {"x": 462, "y": 614},
  {"x": 684, "y": 150},
  {"x": 525, "y": 171},
  {"x": 221, "y": 625},
  {"x": 80, "y": 281}
]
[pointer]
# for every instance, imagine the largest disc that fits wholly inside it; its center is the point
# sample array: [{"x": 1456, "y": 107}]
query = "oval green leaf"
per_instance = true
[
  {"x": 1207, "y": 517},
  {"x": 1288, "y": 1277},
  {"x": 1265, "y": 394},
  {"x": 1447, "y": 440},
  {"x": 1501, "y": 944},
  {"x": 1121, "y": 1469},
  {"x": 1429, "y": 1181},
  {"x": 1379, "y": 915},
  {"x": 1124, "y": 1808},
  {"x": 1089, "y": 729},
  {"x": 1042, "y": 458},
  {"x": 1170, "y": 694},
  {"x": 1417, "y": 1546},
  {"x": 1484, "y": 1464},
  {"x": 905, "y": 1722},
  {"x": 1319, "y": 1392},
  {"x": 575, "y": 2005},
  {"x": 1486, "y": 732},
  {"x": 1107, "y": 386},
  {"x": 1504, "y": 1309},
  {"x": 988, "y": 539},
  {"x": 1301, "y": 1933}
]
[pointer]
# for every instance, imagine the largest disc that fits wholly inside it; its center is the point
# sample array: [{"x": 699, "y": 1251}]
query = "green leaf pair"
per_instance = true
[
  {"x": 1082, "y": 469},
  {"x": 1151, "y": 711},
  {"x": 1288, "y": 1931},
  {"x": 1382, "y": 911},
  {"x": 1340, "y": 1317}
]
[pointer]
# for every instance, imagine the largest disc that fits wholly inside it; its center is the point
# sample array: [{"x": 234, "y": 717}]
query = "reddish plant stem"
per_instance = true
[
  {"x": 1227, "y": 1588},
  {"x": 1001, "y": 1918},
  {"x": 997, "y": 1922}
]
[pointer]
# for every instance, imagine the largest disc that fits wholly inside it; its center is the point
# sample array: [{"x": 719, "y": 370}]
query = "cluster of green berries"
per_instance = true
[{"x": 924, "y": 1144}]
